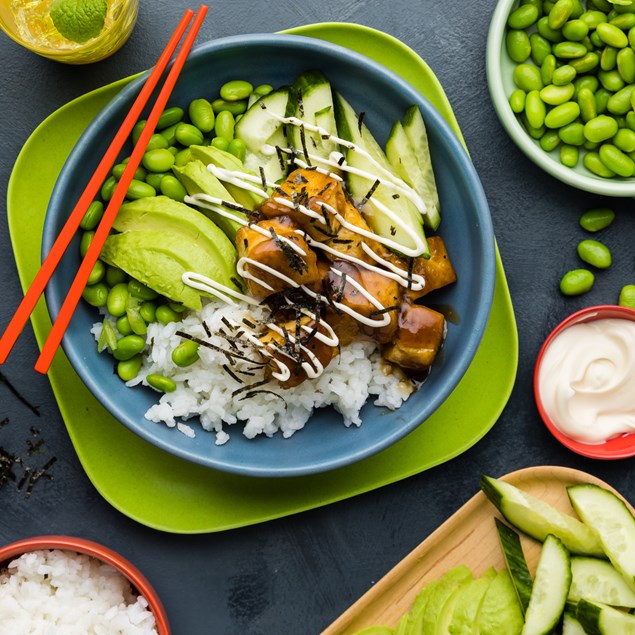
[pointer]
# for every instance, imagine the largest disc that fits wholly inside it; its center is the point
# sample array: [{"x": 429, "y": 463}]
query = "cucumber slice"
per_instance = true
[
  {"x": 599, "y": 619},
  {"x": 516, "y": 563},
  {"x": 408, "y": 235},
  {"x": 415, "y": 129},
  {"x": 607, "y": 514},
  {"x": 539, "y": 519},
  {"x": 404, "y": 158},
  {"x": 598, "y": 581},
  {"x": 550, "y": 590},
  {"x": 499, "y": 613},
  {"x": 261, "y": 130},
  {"x": 311, "y": 100},
  {"x": 571, "y": 626}
]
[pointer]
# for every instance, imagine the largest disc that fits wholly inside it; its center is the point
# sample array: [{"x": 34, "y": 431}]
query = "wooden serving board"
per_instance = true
[{"x": 468, "y": 537}]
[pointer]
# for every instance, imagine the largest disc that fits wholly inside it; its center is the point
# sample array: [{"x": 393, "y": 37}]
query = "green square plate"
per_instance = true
[{"x": 169, "y": 494}]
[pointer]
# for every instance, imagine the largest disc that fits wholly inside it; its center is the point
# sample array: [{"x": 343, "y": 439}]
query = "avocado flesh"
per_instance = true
[
  {"x": 160, "y": 213},
  {"x": 159, "y": 259},
  {"x": 500, "y": 612},
  {"x": 197, "y": 179},
  {"x": 227, "y": 161}
]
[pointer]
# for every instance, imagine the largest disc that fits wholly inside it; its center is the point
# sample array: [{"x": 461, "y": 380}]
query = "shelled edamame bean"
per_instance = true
[{"x": 575, "y": 74}]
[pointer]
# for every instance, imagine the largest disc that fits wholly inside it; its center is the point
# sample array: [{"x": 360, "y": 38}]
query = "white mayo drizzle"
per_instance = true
[
  {"x": 587, "y": 380},
  {"x": 336, "y": 160}
]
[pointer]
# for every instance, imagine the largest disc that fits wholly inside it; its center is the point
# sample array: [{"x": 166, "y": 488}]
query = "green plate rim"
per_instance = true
[{"x": 185, "y": 498}]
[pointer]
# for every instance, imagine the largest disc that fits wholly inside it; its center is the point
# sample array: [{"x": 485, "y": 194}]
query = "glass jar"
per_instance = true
[{"x": 28, "y": 23}]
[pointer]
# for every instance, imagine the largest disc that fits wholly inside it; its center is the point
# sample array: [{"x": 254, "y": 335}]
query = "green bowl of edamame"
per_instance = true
[{"x": 537, "y": 75}]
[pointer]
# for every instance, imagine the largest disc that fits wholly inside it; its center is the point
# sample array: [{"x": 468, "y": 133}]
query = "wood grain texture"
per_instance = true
[{"x": 468, "y": 537}]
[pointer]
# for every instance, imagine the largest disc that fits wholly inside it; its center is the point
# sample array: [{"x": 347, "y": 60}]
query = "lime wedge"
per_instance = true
[{"x": 79, "y": 20}]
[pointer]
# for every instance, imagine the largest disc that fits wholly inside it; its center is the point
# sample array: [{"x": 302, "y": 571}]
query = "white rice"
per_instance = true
[
  {"x": 206, "y": 390},
  {"x": 54, "y": 592}
]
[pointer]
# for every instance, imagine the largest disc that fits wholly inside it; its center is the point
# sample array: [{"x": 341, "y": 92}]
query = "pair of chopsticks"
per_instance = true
[{"x": 26, "y": 307}]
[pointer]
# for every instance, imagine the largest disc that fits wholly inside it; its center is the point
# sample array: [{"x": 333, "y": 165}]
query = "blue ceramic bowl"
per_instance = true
[{"x": 324, "y": 443}]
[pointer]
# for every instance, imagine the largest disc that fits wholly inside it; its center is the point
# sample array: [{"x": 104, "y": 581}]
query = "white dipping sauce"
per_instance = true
[{"x": 587, "y": 380}]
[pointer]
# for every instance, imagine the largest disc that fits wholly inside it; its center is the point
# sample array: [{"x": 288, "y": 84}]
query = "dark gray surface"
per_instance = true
[{"x": 297, "y": 574}]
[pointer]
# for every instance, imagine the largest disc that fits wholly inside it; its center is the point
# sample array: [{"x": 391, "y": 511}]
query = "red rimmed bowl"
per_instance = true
[
  {"x": 618, "y": 447},
  {"x": 106, "y": 555}
]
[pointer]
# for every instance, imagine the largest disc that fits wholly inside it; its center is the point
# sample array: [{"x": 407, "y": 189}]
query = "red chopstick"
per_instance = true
[
  {"x": 26, "y": 307},
  {"x": 81, "y": 278}
]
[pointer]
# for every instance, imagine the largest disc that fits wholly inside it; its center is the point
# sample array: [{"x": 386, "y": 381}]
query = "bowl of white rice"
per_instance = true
[
  {"x": 357, "y": 408},
  {"x": 62, "y": 585}
]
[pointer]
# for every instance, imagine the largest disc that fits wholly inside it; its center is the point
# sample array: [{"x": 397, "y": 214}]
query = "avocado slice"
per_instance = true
[
  {"x": 467, "y": 604},
  {"x": 162, "y": 213},
  {"x": 500, "y": 612},
  {"x": 227, "y": 161},
  {"x": 160, "y": 258},
  {"x": 196, "y": 179}
]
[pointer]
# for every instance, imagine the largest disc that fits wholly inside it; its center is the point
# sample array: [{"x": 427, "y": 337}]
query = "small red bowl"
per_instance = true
[
  {"x": 69, "y": 543},
  {"x": 620, "y": 447}
]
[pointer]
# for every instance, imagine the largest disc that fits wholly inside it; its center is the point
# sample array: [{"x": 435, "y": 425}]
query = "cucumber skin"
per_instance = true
[
  {"x": 516, "y": 563},
  {"x": 597, "y": 619},
  {"x": 588, "y": 546}
]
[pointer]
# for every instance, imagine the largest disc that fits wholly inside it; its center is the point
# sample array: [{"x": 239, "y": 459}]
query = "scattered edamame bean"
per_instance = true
[
  {"x": 594, "y": 253},
  {"x": 161, "y": 383},
  {"x": 238, "y": 148},
  {"x": 569, "y": 155},
  {"x": 616, "y": 160},
  {"x": 148, "y": 311},
  {"x": 84, "y": 243},
  {"x": 108, "y": 188},
  {"x": 627, "y": 296},
  {"x": 222, "y": 144},
  {"x": 576, "y": 282},
  {"x": 593, "y": 163},
  {"x": 136, "y": 321},
  {"x": 596, "y": 219},
  {"x": 517, "y": 101},
  {"x": 518, "y": 45},
  {"x": 154, "y": 178},
  {"x": 186, "y": 353}
]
